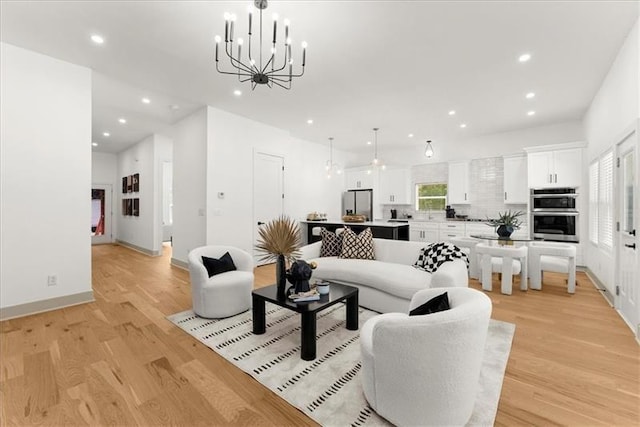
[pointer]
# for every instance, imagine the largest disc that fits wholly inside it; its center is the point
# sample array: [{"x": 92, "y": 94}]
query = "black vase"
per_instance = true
[
  {"x": 504, "y": 231},
  {"x": 281, "y": 277}
]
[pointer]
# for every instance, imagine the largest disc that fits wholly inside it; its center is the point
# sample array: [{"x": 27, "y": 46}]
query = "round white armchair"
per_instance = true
[
  {"x": 425, "y": 370},
  {"x": 225, "y": 294}
]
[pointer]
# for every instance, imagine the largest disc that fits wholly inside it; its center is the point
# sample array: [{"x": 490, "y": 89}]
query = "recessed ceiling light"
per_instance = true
[
  {"x": 97, "y": 39},
  {"x": 237, "y": 92},
  {"x": 410, "y": 135},
  {"x": 106, "y": 133},
  {"x": 368, "y": 142},
  {"x": 531, "y": 113},
  {"x": 452, "y": 112},
  {"x": 310, "y": 121},
  {"x": 524, "y": 57},
  {"x": 122, "y": 120},
  {"x": 146, "y": 101},
  {"x": 463, "y": 125},
  {"x": 95, "y": 144},
  {"x": 530, "y": 95}
]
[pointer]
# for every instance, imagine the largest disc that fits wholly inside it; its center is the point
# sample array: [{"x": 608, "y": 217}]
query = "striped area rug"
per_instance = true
[{"x": 327, "y": 389}]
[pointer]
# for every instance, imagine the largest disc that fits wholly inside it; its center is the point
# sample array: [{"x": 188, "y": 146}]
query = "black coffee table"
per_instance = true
[{"x": 308, "y": 311}]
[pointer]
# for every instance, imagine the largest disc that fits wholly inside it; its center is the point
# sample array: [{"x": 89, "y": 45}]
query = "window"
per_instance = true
[
  {"x": 601, "y": 201},
  {"x": 431, "y": 197}
]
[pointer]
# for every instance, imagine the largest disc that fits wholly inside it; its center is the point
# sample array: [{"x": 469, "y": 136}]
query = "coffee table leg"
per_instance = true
[
  {"x": 259, "y": 321},
  {"x": 352, "y": 313},
  {"x": 308, "y": 336}
]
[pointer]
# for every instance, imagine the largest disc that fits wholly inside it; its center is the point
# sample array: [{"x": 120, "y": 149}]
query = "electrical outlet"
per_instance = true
[{"x": 52, "y": 280}]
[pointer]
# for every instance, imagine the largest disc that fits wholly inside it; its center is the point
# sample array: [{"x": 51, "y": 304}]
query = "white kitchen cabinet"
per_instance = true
[
  {"x": 424, "y": 232},
  {"x": 359, "y": 179},
  {"x": 558, "y": 168},
  {"x": 516, "y": 190},
  {"x": 458, "y": 186},
  {"x": 450, "y": 230},
  {"x": 395, "y": 187}
]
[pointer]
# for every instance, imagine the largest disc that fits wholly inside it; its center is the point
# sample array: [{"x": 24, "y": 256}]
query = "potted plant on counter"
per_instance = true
[
  {"x": 279, "y": 240},
  {"x": 506, "y": 223}
]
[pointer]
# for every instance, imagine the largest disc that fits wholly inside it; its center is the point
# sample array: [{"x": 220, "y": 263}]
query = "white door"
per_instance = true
[
  {"x": 268, "y": 191},
  {"x": 101, "y": 214},
  {"x": 628, "y": 220}
]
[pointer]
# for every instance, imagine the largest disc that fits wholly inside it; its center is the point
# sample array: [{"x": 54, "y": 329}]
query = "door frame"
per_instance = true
[
  {"x": 254, "y": 226},
  {"x": 634, "y": 128},
  {"x": 108, "y": 214}
]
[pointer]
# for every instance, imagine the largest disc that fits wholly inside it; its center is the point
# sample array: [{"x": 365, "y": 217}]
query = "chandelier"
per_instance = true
[
  {"x": 332, "y": 168},
  {"x": 428, "y": 150},
  {"x": 376, "y": 162},
  {"x": 255, "y": 69}
]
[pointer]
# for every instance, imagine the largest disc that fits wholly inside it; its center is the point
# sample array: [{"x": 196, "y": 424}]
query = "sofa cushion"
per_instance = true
[
  {"x": 436, "y": 254},
  {"x": 434, "y": 305},
  {"x": 331, "y": 243},
  {"x": 396, "y": 279},
  {"x": 217, "y": 266},
  {"x": 357, "y": 246}
]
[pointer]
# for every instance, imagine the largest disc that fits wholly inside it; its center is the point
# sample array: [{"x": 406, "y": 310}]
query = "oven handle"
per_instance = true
[
  {"x": 547, "y": 213},
  {"x": 554, "y": 196}
]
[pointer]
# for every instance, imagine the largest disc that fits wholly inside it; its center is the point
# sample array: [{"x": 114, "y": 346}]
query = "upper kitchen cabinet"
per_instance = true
[
  {"x": 555, "y": 168},
  {"x": 359, "y": 179},
  {"x": 458, "y": 187},
  {"x": 395, "y": 187},
  {"x": 516, "y": 190}
]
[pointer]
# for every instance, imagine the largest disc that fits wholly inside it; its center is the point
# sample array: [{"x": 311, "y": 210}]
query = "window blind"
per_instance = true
[
  {"x": 593, "y": 202},
  {"x": 605, "y": 197}
]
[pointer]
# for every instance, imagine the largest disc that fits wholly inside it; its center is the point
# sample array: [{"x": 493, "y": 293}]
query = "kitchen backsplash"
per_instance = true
[{"x": 486, "y": 190}]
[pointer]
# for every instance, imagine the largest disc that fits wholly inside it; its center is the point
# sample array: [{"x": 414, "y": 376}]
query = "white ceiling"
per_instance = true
[{"x": 399, "y": 66}]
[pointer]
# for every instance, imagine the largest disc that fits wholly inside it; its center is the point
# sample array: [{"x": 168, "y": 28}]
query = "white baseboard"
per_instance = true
[
  {"x": 41, "y": 306},
  {"x": 139, "y": 248},
  {"x": 600, "y": 286},
  {"x": 180, "y": 264}
]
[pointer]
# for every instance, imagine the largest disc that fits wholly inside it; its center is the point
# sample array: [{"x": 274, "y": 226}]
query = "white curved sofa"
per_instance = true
[{"x": 387, "y": 283}]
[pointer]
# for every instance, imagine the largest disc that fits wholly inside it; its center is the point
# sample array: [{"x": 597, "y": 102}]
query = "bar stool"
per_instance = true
[
  {"x": 507, "y": 260},
  {"x": 550, "y": 256},
  {"x": 469, "y": 243}
]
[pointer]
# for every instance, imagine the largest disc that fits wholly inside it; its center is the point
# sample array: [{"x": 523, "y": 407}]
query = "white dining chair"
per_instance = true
[
  {"x": 507, "y": 260},
  {"x": 555, "y": 257}
]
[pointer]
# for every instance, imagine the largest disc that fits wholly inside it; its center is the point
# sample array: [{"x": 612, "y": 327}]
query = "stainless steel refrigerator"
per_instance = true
[{"x": 358, "y": 202}]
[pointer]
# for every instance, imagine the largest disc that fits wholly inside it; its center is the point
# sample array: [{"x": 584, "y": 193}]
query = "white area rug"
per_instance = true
[{"x": 327, "y": 389}]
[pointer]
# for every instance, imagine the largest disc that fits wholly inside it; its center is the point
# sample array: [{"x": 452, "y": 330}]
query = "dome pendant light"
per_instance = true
[{"x": 428, "y": 150}]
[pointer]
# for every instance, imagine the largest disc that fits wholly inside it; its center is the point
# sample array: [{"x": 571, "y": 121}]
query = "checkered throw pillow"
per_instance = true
[
  {"x": 358, "y": 246},
  {"x": 436, "y": 254},
  {"x": 331, "y": 243}
]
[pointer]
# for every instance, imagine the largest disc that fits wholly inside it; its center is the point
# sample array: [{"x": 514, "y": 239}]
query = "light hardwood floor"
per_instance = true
[{"x": 119, "y": 361}]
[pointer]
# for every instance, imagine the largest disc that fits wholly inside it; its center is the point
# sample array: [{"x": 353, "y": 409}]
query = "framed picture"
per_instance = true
[
  {"x": 129, "y": 184},
  {"x": 124, "y": 207},
  {"x": 136, "y": 207},
  {"x": 136, "y": 182},
  {"x": 129, "y": 207},
  {"x": 124, "y": 185}
]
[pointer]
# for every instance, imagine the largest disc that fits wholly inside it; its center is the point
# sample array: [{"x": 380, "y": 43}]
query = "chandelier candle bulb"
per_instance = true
[
  {"x": 250, "y": 17},
  {"x": 231, "y": 32},
  {"x": 226, "y": 29},
  {"x": 275, "y": 26}
]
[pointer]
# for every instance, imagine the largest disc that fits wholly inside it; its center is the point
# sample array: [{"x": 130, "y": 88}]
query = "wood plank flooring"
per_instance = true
[{"x": 119, "y": 361}]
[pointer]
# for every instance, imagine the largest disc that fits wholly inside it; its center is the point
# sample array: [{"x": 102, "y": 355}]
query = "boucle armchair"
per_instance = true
[
  {"x": 224, "y": 294},
  {"x": 425, "y": 370}
]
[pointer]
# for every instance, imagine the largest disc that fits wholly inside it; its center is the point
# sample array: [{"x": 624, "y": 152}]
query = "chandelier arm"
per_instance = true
[
  {"x": 263, "y": 71},
  {"x": 233, "y": 60},
  {"x": 282, "y": 86},
  {"x": 234, "y": 73},
  {"x": 286, "y": 75}
]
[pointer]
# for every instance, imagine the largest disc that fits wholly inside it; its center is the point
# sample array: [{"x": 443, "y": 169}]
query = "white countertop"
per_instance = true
[{"x": 382, "y": 223}]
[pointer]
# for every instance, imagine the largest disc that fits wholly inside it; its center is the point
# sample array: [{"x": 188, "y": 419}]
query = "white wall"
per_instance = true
[
  {"x": 104, "y": 170},
  {"x": 613, "y": 109},
  {"x": 45, "y": 177},
  {"x": 189, "y": 183},
  {"x": 163, "y": 152},
  {"x": 494, "y": 145},
  {"x": 233, "y": 140}
]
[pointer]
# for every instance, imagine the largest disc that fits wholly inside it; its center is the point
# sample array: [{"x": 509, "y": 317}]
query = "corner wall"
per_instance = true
[
  {"x": 614, "y": 108},
  {"x": 45, "y": 208}
]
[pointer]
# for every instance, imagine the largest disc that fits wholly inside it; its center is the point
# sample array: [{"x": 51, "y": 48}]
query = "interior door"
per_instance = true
[
  {"x": 268, "y": 191},
  {"x": 101, "y": 214},
  {"x": 628, "y": 220}
]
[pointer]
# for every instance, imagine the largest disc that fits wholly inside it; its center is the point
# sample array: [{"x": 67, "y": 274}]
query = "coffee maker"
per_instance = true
[
  {"x": 394, "y": 213},
  {"x": 451, "y": 213}
]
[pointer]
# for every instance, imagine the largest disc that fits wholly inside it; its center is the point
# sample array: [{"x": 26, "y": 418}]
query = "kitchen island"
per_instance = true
[{"x": 379, "y": 229}]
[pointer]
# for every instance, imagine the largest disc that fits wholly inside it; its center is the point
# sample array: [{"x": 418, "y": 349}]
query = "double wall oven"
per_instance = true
[{"x": 554, "y": 214}]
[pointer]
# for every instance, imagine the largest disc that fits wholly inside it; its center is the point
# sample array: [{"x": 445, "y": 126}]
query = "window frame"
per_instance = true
[{"x": 418, "y": 198}]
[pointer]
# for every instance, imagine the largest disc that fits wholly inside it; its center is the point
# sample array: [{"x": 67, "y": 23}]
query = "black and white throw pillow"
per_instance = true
[
  {"x": 357, "y": 246},
  {"x": 434, "y": 255},
  {"x": 331, "y": 243}
]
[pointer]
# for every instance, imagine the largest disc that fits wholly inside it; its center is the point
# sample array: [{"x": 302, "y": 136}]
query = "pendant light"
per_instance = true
[
  {"x": 376, "y": 162},
  {"x": 428, "y": 150},
  {"x": 330, "y": 167}
]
